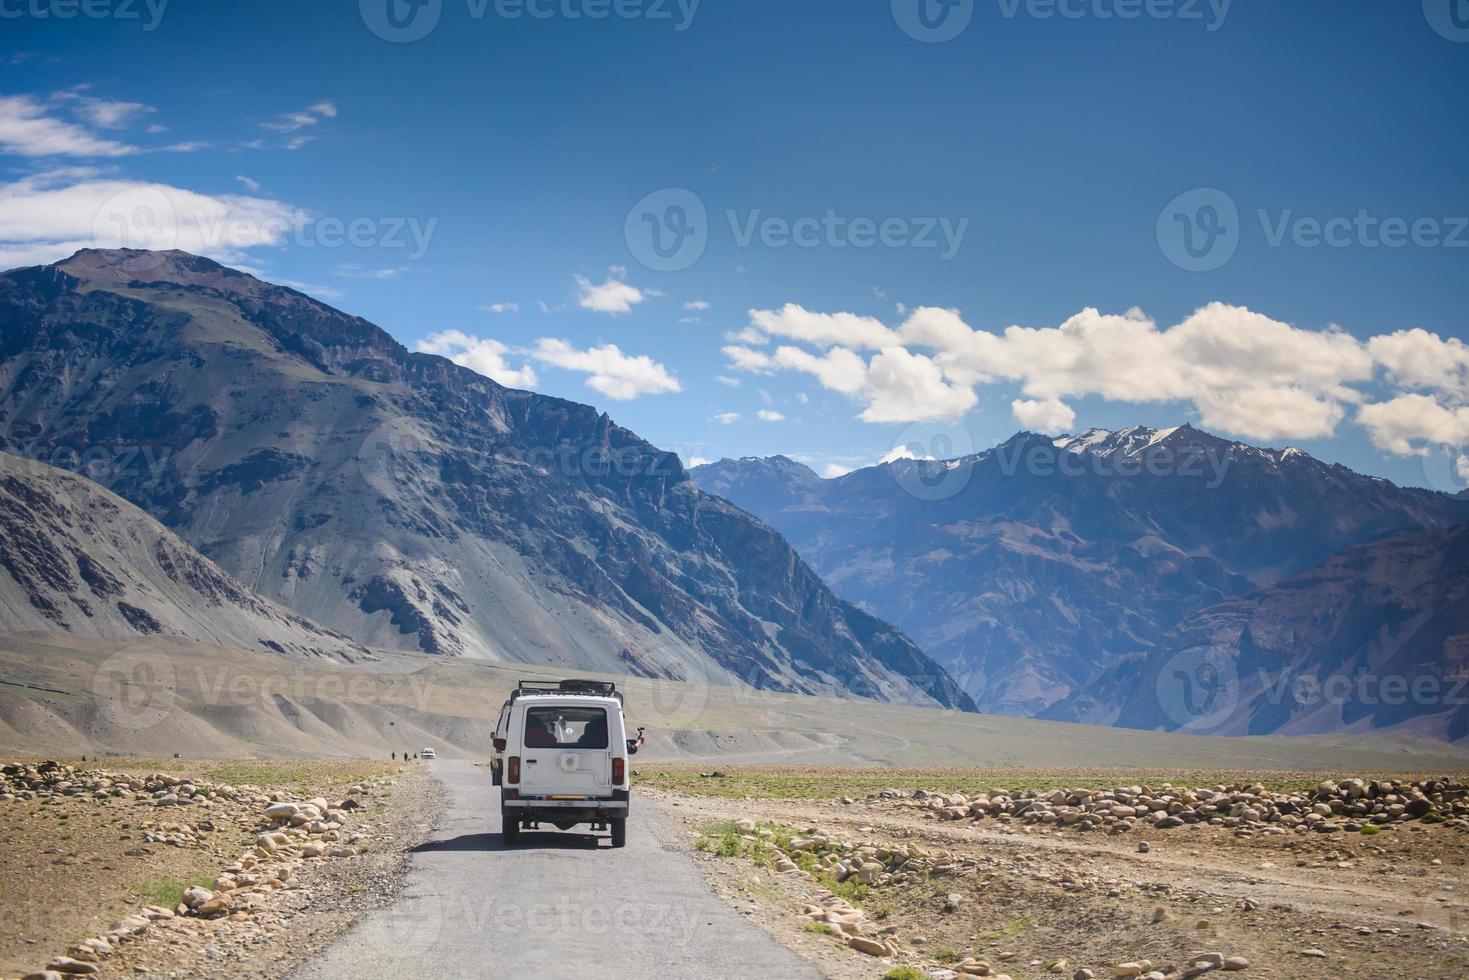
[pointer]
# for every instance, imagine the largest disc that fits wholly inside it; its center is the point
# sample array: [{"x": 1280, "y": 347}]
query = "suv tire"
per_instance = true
[
  {"x": 509, "y": 827},
  {"x": 619, "y": 832}
]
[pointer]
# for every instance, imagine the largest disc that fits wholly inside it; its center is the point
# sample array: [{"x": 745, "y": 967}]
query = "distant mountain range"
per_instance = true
[
  {"x": 1376, "y": 637},
  {"x": 1036, "y": 570},
  {"x": 407, "y": 502},
  {"x": 76, "y": 558}
]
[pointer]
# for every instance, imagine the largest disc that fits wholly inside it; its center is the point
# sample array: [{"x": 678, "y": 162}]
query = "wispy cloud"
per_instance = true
[
  {"x": 28, "y": 128},
  {"x": 351, "y": 270},
  {"x": 293, "y": 121},
  {"x": 498, "y": 308}
]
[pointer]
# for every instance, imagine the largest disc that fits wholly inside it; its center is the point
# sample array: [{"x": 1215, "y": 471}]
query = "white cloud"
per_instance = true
[
  {"x": 498, "y": 308},
  {"x": 747, "y": 335},
  {"x": 251, "y": 184},
  {"x": 728, "y": 418},
  {"x": 482, "y": 355},
  {"x": 767, "y": 415},
  {"x": 48, "y": 216},
  {"x": 697, "y": 461},
  {"x": 1051, "y": 416},
  {"x": 823, "y": 329},
  {"x": 834, "y": 470},
  {"x": 905, "y": 387},
  {"x": 727, "y": 381},
  {"x": 1410, "y": 424},
  {"x": 901, "y": 452},
  {"x": 697, "y": 305},
  {"x": 28, "y": 129},
  {"x": 613, "y": 296},
  {"x": 613, "y": 373},
  {"x": 1244, "y": 372},
  {"x": 1421, "y": 360}
]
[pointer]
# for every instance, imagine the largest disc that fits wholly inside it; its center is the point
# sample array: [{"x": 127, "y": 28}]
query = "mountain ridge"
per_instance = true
[
  {"x": 1031, "y": 568},
  {"x": 76, "y": 558},
  {"x": 409, "y": 502}
]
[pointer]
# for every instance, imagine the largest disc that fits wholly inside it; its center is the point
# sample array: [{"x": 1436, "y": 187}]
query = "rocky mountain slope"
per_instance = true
[
  {"x": 1374, "y": 638},
  {"x": 406, "y": 501},
  {"x": 1029, "y": 569},
  {"x": 76, "y": 558}
]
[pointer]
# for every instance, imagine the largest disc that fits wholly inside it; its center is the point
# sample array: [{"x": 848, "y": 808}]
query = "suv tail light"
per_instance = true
[
  {"x": 499, "y": 745},
  {"x": 512, "y": 770},
  {"x": 619, "y": 771}
]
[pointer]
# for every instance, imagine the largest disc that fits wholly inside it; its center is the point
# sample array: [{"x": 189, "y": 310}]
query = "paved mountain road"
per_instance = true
[{"x": 554, "y": 905}]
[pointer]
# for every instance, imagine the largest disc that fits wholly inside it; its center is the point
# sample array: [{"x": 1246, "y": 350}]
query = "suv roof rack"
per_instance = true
[{"x": 604, "y": 689}]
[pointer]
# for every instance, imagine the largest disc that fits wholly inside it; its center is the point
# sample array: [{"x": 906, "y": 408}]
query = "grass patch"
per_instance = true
[
  {"x": 1370, "y": 829},
  {"x": 947, "y": 956},
  {"x": 167, "y": 894},
  {"x": 1009, "y": 930},
  {"x": 904, "y": 973},
  {"x": 820, "y": 927}
]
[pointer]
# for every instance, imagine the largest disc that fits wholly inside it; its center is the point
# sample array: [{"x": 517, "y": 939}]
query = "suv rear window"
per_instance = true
[{"x": 565, "y": 728}]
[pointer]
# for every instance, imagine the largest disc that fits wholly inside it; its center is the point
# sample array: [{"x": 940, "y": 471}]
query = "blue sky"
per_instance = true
[{"x": 1028, "y": 169}]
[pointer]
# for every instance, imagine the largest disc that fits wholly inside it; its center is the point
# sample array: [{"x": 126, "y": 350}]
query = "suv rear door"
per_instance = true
[{"x": 567, "y": 750}]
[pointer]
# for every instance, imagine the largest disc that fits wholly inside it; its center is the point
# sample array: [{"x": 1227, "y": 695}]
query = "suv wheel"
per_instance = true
[
  {"x": 509, "y": 827},
  {"x": 619, "y": 832}
]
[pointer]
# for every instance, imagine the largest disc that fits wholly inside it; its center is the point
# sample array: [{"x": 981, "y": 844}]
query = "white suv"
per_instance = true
[{"x": 561, "y": 751}]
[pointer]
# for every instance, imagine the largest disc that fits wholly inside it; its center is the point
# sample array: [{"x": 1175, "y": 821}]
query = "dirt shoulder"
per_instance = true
[
  {"x": 101, "y": 858},
  {"x": 995, "y": 897}
]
